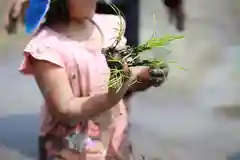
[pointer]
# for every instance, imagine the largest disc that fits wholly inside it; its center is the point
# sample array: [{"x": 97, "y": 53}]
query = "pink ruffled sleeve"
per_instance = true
[{"x": 41, "y": 48}]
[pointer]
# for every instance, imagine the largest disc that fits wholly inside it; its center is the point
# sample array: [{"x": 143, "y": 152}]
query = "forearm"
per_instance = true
[
  {"x": 84, "y": 108},
  {"x": 88, "y": 107}
]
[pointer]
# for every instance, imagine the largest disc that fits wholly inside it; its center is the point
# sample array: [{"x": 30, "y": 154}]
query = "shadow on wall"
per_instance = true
[{"x": 19, "y": 133}]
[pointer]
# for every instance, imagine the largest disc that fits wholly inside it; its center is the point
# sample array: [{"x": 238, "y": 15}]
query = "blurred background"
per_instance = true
[{"x": 195, "y": 115}]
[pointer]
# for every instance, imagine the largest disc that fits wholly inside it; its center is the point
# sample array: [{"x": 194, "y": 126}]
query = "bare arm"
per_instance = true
[{"x": 54, "y": 85}]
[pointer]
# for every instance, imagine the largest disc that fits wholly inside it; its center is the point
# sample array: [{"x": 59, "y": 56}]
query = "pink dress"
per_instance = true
[{"x": 88, "y": 75}]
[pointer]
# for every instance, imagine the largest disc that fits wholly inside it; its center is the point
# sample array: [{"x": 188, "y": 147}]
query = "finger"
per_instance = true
[
  {"x": 158, "y": 81},
  {"x": 157, "y": 72},
  {"x": 127, "y": 70},
  {"x": 160, "y": 72},
  {"x": 166, "y": 71}
]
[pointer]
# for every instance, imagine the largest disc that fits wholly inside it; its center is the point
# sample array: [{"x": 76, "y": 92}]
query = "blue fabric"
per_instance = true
[{"x": 35, "y": 14}]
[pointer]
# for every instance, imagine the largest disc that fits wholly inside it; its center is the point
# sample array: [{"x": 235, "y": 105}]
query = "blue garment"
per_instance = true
[{"x": 35, "y": 14}]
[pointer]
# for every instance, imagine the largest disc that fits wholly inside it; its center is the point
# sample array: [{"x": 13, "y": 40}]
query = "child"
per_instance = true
[{"x": 82, "y": 118}]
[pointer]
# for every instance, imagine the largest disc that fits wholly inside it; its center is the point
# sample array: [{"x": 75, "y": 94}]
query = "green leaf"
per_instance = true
[{"x": 181, "y": 68}]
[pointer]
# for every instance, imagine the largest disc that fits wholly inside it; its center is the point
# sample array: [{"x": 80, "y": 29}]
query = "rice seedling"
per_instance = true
[{"x": 131, "y": 55}]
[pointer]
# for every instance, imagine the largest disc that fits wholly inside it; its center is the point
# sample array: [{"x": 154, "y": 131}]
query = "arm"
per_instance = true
[{"x": 54, "y": 85}]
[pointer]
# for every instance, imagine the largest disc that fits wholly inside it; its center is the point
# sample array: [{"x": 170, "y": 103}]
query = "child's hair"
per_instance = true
[{"x": 58, "y": 13}]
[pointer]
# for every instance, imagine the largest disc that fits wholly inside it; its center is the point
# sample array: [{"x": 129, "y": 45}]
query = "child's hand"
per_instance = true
[
  {"x": 147, "y": 77},
  {"x": 158, "y": 76},
  {"x": 115, "y": 94}
]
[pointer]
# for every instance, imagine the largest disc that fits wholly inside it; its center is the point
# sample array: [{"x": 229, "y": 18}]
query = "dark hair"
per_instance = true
[{"x": 57, "y": 13}]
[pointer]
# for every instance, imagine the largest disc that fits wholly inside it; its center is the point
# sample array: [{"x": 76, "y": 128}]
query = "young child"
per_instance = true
[{"x": 83, "y": 119}]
